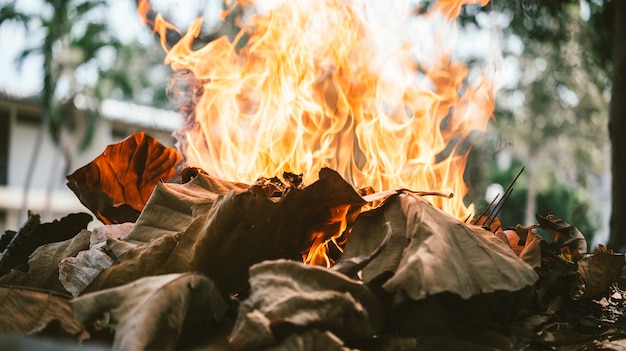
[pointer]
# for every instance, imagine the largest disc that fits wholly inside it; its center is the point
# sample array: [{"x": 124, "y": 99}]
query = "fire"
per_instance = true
[{"x": 328, "y": 83}]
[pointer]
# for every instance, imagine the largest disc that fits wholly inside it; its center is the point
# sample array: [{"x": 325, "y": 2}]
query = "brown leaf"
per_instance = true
[
  {"x": 117, "y": 184},
  {"x": 245, "y": 228},
  {"x": 28, "y": 311},
  {"x": 369, "y": 230},
  {"x": 288, "y": 296},
  {"x": 43, "y": 264},
  {"x": 531, "y": 253},
  {"x": 565, "y": 234},
  {"x": 162, "y": 239},
  {"x": 524, "y": 243},
  {"x": 76, "y": 273},
  {"x": 440, "y": 254},
  {"x": 151, "y": 312},
  {"x": 596, "y": 273}
]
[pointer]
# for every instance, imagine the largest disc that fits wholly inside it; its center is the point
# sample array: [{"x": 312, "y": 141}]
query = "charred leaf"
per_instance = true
[{"x": 33, "y": 234}]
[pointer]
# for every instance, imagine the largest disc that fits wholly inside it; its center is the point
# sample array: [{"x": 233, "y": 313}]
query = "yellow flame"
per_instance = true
[{"x": 326, "y": 83}]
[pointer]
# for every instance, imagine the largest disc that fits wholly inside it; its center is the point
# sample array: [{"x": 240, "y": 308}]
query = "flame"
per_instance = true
[
  {"x": 312, "y": 84},
  {"x": 336, "y": 225}
]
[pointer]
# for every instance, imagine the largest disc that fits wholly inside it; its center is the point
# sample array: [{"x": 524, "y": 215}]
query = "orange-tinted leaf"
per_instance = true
[{"x": 117, "y": 184}]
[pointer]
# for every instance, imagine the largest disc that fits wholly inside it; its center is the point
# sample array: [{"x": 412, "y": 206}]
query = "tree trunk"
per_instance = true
[{"x": 617, "y": 131}]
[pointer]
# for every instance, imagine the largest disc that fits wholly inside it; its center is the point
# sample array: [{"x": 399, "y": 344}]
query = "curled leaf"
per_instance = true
[
  {"x": 28, "y": 311},
  {"x": 596, "y": 273},
  {"x": 151, "y": 312},
  {"x": 117, "y": 184},
  {"x": 565, "y": 234},
  {"x": 287, "y": 297},
  {"x": 76, "y": 273}
]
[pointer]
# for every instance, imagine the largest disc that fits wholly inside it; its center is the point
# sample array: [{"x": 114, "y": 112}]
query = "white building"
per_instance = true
[{"x": 20, "y": 121}]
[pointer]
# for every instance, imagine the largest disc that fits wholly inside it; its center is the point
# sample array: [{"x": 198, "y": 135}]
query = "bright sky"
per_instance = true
[{"x": 124, "y": 22}]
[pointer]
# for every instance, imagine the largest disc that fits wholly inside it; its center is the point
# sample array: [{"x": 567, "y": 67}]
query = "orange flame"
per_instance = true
[{"x": 312, "y": 84}]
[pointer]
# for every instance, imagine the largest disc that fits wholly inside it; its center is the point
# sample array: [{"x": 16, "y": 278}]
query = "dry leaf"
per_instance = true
[
  {"x": 531, "y": 253},
  {"x": 116, "y": 185},
  {"x": 151, "y": 312},
  {"x": 369, "y": 230},
  {"x": 287, "y": 296},
  {"x": 445, "y": 255},
  {"x": 34, "y": 234},
  {"x": 565, "y": 234},
  {"x": 76, "y": 273},
  {"x": 525, "y": 244},
  {"x": 596, "y": 273},
  {"x": 43, "y": 264},
  {"x": 28, "y": 311},
  {"x": 246, "y": 228},
  {"x": 161, "y": 241},
  {"x": 169, "y": 210}
]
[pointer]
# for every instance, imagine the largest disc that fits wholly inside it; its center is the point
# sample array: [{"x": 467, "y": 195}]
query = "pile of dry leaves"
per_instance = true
[{"x": 205, "y": 263}]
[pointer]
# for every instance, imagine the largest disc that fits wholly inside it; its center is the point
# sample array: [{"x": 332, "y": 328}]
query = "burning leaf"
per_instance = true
[
  {"x": 76, "y": 273},
  {"x": 350, "y": 267},
  {"x": 369, "y": 230},
  {"x": 27, "y": 311},
  {"x": 150, "y": 313},
  {"x": 286, "y": 228},
  {"x": 596, "y": 273},
  {"x": 565, "y": 234},
  {"x": 223, "y": 236},
  {"x": 289, "y": 296},
  {"x": 117, "y": 184},
  {"x": 34, "y": 234},
  {"x": 43, "y": 264}
]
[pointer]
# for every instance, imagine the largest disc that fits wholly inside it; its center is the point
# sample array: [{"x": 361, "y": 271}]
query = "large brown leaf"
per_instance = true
[
  {"x": 117, "y": 184},
  {"x": 287, "y": 296},
  {"x": 43, "y": 264},
  {"x": 440, "y": 253},
  {"x": 28, "y": 311},
  {"x": 151, "y": 312},
  {"x": 596, "y": 273}
]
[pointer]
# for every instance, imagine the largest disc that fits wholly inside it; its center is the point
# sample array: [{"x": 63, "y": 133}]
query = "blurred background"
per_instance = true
[{"x": 77, "y": 75}]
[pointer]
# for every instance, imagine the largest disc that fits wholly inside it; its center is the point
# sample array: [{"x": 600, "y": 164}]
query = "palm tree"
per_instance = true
[{"x": 65, "y": 48}]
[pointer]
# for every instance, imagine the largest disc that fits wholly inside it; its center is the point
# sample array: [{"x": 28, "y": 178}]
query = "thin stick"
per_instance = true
[
  {"x": 489, "y": 206},
  {"x": 502, "y": 201}
]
